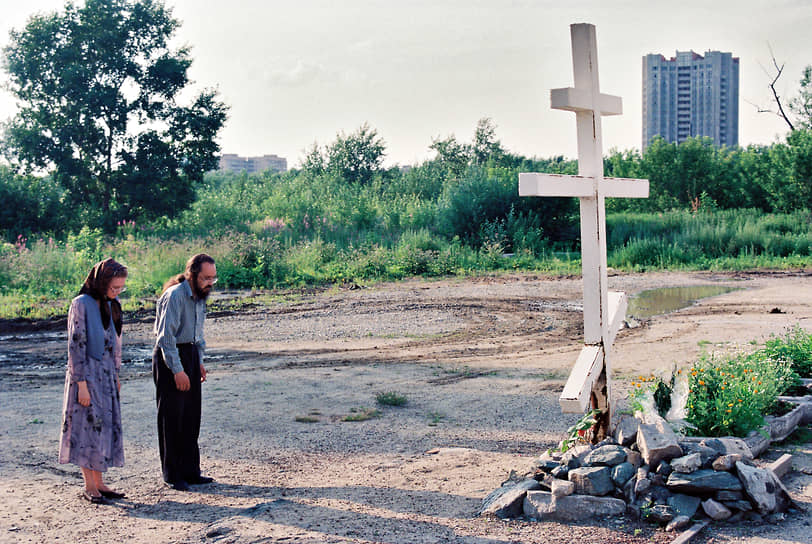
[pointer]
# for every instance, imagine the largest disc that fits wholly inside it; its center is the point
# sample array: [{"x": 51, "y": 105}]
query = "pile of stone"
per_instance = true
[{"x": 646, "y": 471}]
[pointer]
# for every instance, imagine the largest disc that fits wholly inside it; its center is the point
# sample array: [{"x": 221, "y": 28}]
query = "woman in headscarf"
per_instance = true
[{"x": 91, "y": 424}]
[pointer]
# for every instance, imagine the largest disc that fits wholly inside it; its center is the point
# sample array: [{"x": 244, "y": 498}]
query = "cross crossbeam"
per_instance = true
[{"x": 589, "y": 382}]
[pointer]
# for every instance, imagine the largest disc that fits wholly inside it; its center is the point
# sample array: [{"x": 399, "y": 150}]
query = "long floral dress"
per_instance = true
[{"x": 91, "y": 436}]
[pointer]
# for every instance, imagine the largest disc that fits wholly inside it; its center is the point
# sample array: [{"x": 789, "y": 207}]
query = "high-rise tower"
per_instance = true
[{"x": 691, "y": 95}]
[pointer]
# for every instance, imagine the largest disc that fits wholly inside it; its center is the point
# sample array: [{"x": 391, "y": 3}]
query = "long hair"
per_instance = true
[
  {"x": 193, "y": 266},
  {"x": 96, "y": 285}
]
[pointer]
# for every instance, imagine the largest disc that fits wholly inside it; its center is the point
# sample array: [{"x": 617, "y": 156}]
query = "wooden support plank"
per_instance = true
[
  {"x": 782, "y": 465},
  {"x": 687, "y": 535},
  {"x": 624, "y": 188},
  {"x": 535, "y": 184},
  {"x": 575, "y": 397},
  {"x": 571, "y": 99},
  {"x": 618, "y": 302},
  {"x": 540, "y": 184}
]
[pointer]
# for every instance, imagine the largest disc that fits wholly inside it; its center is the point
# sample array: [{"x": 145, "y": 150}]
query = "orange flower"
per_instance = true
[{"x": 701, "y": 382}]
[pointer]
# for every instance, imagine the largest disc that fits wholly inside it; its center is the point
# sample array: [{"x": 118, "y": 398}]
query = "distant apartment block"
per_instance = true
[
  {"x": 231, "y": 162},
  {"x": 691, "y": 95}
]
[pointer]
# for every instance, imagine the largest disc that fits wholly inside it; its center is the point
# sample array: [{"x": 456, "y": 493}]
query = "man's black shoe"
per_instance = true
[
  {"x": 201, "y": 480},
  {"x": 179, "y": 485}
]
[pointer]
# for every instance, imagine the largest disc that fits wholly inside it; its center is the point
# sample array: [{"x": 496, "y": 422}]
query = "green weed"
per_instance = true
[{"x": 391, "y": 398}]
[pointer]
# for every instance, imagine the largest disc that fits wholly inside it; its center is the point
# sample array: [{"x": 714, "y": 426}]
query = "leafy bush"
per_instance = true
[
  {"x": 796, "y": 347},
  {"x": 730, "y": 395},
  {"x": 391, "y": 398}
]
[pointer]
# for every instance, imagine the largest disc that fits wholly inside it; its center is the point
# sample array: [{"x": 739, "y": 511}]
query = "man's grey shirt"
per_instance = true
[{"x": 179, "y": 320}]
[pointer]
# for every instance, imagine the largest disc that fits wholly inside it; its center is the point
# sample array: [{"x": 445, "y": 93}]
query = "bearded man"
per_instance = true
[{"x": 178, "y": 371}]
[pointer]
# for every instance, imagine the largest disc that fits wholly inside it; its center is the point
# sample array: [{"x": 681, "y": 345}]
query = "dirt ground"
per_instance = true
[{"x": 481, "y": 362}]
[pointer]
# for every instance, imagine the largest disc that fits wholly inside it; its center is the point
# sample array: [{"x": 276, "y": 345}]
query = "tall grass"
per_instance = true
[
  {"x": 719, "y": 239},
  {"x": 288, "y": 230}
]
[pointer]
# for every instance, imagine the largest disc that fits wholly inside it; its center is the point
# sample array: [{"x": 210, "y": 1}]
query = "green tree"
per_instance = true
[
  {"x": 452, "y": 156},
  {"x": 357, "y": 157},
  {"x": 485, "y": 146},
  {"x": 98, "y": 88},
  {"x": 30, "y": 204},
  {"x": 801, "y": 105}
]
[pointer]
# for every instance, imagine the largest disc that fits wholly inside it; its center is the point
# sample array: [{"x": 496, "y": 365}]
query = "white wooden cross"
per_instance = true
[{"x": 589, "y": 382}]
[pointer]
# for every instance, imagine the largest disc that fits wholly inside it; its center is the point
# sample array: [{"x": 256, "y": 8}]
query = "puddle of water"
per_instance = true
[{"x": 669, "y": 299}]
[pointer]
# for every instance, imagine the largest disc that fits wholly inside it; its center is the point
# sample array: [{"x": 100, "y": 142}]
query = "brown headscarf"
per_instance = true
[{"x": 96, "y": 285}]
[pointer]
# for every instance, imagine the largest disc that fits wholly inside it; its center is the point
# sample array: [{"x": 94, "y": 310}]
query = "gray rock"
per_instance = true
[
  {"x": 628, "y": 490},
  {"x": 684, "y": 505},
  {"x": 560, "y": 472},
  {"x": 716, "y": 510},
  {"x": 574, "y": 457},
  {"x": 764, "y": 489},
  {"x": 727, "y": 495},
  {"x": 562, "y": 488},
  {"x": 729, "y": 445},
  {"x": 608, "y": 441},
  {"x": 707, "y": 455},
  {"x": 508, "y": 501},
  {"x": 703, "y": 481},
  {"x": 659, "y": 494},
  {"x": 642, "y": 486},
  {"x": 664, "y": 469},
  {"x": 544, "y": 506},
  {"x": 547, "y": 465},
  {"x": 656, "y": 479},
  {"x": 775, "y": 518},
  {"x": 687, "y": 463},
  {"x": 660, "y": 513},
  {"x": 742, "y": 505},
  {"x": 634, "y": 458},
  {"x": 626, "y": 430},
  {"x": 609, "y": 456},
  {"x": 678, "y": 523},
  {"x": 726, "y": 462},
  {"x": 622, "y": 473},
  {"x": 592, "y": 480},
  {"x": 657, "y": 441},
  {"x": 753, "y": 516}
]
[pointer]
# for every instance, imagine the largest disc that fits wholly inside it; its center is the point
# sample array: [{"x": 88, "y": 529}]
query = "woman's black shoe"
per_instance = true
[
  {"x": 95, "y": 499},
  {"x": 112, "y": 494}
]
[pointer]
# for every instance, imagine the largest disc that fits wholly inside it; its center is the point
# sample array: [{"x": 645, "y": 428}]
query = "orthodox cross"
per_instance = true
[{"x": 589, "y": 383}]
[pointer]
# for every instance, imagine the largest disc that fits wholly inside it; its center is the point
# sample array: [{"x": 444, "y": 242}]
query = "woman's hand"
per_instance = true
[{"x": 84, "y": 394}]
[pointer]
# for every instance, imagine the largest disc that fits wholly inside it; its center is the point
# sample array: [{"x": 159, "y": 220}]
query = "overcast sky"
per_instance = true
[{"x": 296, "y": 72}]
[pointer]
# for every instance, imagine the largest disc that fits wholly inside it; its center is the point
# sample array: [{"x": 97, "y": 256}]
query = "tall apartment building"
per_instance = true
[
  {"x": 691, "y": 95},
  {"x": 234, "y": 163}
]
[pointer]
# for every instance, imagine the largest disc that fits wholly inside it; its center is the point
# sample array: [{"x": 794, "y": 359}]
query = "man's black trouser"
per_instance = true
[{"x": 178, "y": 415}]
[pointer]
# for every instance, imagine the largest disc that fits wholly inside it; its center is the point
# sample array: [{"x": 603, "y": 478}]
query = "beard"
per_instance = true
[{"x": 198, "y": 292}]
